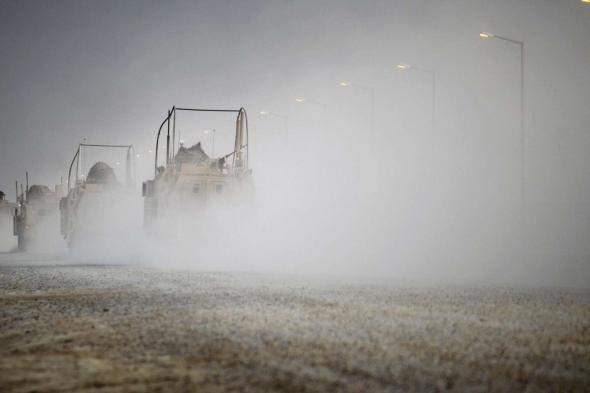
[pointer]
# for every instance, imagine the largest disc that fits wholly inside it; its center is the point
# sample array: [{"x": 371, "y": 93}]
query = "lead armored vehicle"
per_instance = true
[{"x": 189, "y": 181}]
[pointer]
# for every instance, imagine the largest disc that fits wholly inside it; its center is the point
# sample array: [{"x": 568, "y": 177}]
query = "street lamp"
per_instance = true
[
  {"x": 520, "y": 44},
  {"x": 371, "y": 91},
  {"x": 432, "y": 74},
  {"x": 303, "y": 100},
  {"x": 212, "y": 132},
  {"x": 285, "y": 118}
]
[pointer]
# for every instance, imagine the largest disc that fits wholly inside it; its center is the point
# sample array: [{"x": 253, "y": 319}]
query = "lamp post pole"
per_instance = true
[
  {"x": 432, "y": 75},
  {"x": 212, "y": 132},
  {"x": 371, "y": 91},
  {"x": 522, "y": 114}
]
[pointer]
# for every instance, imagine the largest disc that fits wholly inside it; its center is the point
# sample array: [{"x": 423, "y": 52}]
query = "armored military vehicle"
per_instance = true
[
  {"x": 7, "y": 209},
  {"x": 92, "y": 196},
  {"x": 36, "y": 212},
  {"x": 189, "y": 180}
]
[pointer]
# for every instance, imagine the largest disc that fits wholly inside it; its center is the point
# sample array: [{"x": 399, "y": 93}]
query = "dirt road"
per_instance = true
[{"x": 117, "y": 328}]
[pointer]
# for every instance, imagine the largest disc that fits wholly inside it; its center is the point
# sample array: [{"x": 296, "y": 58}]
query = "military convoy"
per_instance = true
[{"x": 186, "y": 178}]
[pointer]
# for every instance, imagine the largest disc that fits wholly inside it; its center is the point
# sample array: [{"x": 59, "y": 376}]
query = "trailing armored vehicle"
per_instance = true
[
  {"x": 7, "y": 210},
  {"x": 35, "y": 214},
  {"x": 90, "y": 209},
  {"x": 190, "y": 180}
]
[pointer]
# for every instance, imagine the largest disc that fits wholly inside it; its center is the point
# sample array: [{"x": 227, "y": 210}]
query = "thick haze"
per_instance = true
[{"x": 416, "y": 201}]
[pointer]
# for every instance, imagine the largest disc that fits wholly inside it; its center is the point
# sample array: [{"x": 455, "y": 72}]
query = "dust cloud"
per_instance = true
[{"x": 360, "y": 167}]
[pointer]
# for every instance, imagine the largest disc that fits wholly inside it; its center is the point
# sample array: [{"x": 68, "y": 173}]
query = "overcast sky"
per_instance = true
[{"x": 109, "y": 70}]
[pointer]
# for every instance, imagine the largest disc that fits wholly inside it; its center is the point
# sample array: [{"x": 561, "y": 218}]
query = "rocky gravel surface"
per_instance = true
[{"x": 133, "y": 329}]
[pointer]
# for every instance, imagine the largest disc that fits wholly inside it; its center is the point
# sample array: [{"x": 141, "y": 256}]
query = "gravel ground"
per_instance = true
[{"x": 133, "y": 329}]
